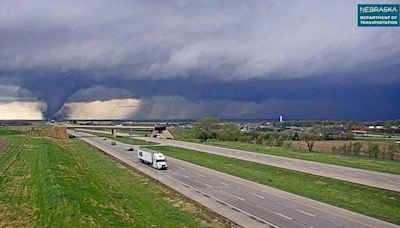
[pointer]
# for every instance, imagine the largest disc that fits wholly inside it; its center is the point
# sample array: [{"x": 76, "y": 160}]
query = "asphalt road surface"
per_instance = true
[
  {"x": 247, "y": 203},
  {"x": 360, "y": 176}
]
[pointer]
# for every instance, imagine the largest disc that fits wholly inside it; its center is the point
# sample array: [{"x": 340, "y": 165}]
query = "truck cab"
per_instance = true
[{"x": 159, "y": 161}]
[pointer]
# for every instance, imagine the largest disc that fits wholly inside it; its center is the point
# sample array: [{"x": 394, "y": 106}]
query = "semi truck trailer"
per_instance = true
[{"x": 153, "y": 158}]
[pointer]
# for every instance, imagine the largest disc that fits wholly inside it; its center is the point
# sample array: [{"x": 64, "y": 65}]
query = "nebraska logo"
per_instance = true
[
  {"x": 378, "y": 9},
  {"x": 378, "y": 15}
]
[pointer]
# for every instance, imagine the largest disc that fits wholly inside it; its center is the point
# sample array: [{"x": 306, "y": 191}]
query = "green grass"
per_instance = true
[
  {"x": 50, "y": 183},
  {"x": 378, "y": 203},
  {"x": 373, "y": 164},
  {"x": 127, "y": 140}
]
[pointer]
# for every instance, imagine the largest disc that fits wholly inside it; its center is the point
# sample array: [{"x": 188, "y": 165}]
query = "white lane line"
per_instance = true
[
  {"x": 185, "y": 176},
  {"x": 304, "y": 212},
  {"x": 223, "y": 183},
  {"x": 182, "y": 168},
  {"x": 262, "y": 197},
  {"x": 395, "y": 182},
  {"x": 237, "y": 197},
  {"x": 284, "y": 216},
  {"x": 200, "y": 175},
  {"x": 208, "y": 185}
]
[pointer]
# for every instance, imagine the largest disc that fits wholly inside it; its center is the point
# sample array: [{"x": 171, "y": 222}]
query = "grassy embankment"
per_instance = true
[
  {"x": 46, "y": 182},
  {"x": 378, "y": 203},
  {"x": 123, "y": 139}
]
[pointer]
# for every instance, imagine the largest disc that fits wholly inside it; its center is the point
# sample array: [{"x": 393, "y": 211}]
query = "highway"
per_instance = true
[
  {"x": 359, "y": 176},
  {"x": 244, "y": 202}
]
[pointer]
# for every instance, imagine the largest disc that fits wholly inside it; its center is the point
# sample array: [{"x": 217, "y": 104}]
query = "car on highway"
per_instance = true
[
  {"x": 104, "y": 138},
  {"x": 113, "y": 143},
  {"x": 129, "y": 148}
]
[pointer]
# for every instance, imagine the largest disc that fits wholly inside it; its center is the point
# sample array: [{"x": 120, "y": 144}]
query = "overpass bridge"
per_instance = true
[{"x": 113, "y": 128}]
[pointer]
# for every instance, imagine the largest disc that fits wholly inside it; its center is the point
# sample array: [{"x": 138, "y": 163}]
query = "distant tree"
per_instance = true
[
  {"x": 373, "y": 150},
  {"x": 295, "y": 137},
  {"x": 203, "y": 135},
  {"x": 228, "y": 132},
  {"x": 356, "y": 148},
  {"x": 392, "y": 150},
  {"x": 263, "y": 138},
  {"x": 207, "y": 123},
  {"x": 345, "y": 148},
  {"x": 245, "y": 138},
  {"x": 310, "y": 139},
  {"x": 280, "y": 140}
]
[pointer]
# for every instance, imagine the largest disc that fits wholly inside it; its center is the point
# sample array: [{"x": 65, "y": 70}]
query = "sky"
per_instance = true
[{"x": 184, "y": 59}]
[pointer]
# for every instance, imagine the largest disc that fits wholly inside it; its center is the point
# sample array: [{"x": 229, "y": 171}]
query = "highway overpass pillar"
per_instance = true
[{"x": 114, "y": 132}]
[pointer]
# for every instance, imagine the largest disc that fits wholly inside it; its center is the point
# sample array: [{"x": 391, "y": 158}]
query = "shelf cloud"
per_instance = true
[{"x": 72, "y": 51}]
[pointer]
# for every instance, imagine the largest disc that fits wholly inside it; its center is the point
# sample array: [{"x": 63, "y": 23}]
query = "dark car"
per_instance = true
[{"x": 113, "y": 143}]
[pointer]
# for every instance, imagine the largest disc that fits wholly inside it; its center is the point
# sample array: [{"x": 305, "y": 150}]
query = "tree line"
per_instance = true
[{"x": 212, "y": 129}]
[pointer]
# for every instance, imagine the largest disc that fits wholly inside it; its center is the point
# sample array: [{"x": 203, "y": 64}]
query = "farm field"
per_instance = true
[{"x": 46, "y": 182}]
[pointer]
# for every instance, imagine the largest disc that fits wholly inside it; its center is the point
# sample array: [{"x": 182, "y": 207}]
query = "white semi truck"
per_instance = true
[{"x": 153, "y": 158}]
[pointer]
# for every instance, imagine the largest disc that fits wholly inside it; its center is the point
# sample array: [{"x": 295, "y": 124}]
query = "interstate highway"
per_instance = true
[
  {"x": 244, "y": 202},
  {"x": 359, "y": 176}
]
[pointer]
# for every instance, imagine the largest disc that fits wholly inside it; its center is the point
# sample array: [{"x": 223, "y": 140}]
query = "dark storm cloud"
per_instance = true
[{"x": 294, "y": 52}]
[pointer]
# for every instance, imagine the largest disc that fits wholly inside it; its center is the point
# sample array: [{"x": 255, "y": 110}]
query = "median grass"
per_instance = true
[
  {"x": 375, "y": 202},
  {"x": 373, "y": 164},
  {"x": 50, "y": 183},
  {"x": 127, "y": 140}
]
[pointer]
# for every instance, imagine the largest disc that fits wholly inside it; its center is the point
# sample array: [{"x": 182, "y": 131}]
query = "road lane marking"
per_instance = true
[
  {"x": 200, "y": 175},
  {"x": 262, "y": 197},
  {"x": 304, "y": 212},
  {"x": 223, "y": 183},
  {"x": 185, "y": 176},
  {"x": 292, "y": 219},
  {"x": 182, "y": 168},
  {"x": 207, "y": 185},
  {"x": 284, "y": 216},
  {"x": 237, "y": 197}
]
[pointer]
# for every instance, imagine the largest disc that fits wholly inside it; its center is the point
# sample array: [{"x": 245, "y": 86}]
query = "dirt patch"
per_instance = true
[
  {"x": 4, "y": 144},
  {"x": 58, "y": 132}
]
